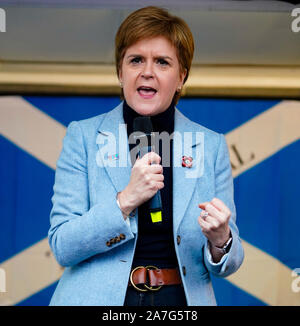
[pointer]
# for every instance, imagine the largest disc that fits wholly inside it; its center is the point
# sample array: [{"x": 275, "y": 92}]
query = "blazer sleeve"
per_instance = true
[
  {"x": 231, "y": 261},
  {"x": 78, "y": 231}
]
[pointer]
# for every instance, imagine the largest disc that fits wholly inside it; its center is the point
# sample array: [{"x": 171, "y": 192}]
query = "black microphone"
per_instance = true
[{"x": 143, "y": 126}]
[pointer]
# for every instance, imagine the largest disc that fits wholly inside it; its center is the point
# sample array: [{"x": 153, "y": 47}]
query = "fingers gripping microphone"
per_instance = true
[{"x": 143, "y": 125}]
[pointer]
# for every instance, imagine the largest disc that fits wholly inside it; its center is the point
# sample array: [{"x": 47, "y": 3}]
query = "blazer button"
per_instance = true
[
  {"x": 178, "y": 239},
  {"x": 108, "y": 243},
  {"x": 122, "y": 236},
  {"x": 183, "y": 270}
]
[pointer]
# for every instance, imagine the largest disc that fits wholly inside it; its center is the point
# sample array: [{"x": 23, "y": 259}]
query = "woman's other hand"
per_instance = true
[{"x": 215, "y": 224}]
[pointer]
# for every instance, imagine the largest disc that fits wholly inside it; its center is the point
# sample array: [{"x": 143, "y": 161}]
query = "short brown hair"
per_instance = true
[{"x": 151, "y": 22}]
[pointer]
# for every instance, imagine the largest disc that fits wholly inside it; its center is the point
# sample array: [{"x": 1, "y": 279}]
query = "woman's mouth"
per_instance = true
[{"x": 146, "y": 92}]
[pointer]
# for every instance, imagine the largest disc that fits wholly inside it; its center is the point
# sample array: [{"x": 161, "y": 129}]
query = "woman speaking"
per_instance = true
[{"x": 147, "y": 230}]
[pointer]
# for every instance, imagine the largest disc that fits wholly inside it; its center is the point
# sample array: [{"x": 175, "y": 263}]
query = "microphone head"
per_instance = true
[{"x": 143, "y": 124}]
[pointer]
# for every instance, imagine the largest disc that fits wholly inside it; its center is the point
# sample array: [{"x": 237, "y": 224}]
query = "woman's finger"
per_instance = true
[
  {"x": 202, "y": 205},
  {"x": 210, "y": 221},
  {"x": 157, "y": 177},
  {"x": 214, "y": 212},
  {"x": 151, "y": 158},
  {"x": 204, "y": 225},
  {"x": 220, "y": 205},
  {"x": 155, "y": 169},
  {"x": 213, "y": 222},
  {"x": 204, "y": 214}
]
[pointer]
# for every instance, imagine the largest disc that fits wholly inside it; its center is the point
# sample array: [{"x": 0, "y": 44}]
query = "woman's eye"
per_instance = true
[
  {"x": 136, "y": 60},
  {"x": 163, "y": 62}
]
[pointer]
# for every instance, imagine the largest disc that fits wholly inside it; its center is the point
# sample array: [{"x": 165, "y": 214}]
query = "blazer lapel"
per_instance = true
[
  {"x": 188, "y": 141},
  {"x": 113, "y": 149}
]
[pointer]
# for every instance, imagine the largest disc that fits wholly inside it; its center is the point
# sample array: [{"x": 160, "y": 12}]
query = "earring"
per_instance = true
[
  {"x": 121, "y": 84},
  {"x": 179, "y": 89}
]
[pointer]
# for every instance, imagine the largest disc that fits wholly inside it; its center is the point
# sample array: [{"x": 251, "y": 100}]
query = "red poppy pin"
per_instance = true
[{"x": 187, "y": 161}]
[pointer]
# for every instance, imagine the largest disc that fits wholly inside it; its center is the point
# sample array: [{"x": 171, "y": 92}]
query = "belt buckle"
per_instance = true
[
  {"x": 146, "y": 287},
  {"x": 151, "y": 288}
]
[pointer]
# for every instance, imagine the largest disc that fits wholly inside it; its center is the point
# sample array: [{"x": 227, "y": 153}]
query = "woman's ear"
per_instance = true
[
  {"x": 120, "y": 74},
  {"x": 120, "y": 79},
  {"x": 182, "y": 77}
]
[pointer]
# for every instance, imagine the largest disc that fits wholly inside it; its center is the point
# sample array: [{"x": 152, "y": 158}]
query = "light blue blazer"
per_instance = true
[{"x": 85, "y": 215}]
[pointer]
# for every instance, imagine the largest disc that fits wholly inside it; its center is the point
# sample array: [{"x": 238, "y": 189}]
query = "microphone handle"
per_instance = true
[{"x": 155, "y": 204}]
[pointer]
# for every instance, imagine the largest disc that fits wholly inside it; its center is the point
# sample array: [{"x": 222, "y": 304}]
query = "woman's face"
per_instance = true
[{"x": 150, "y": 74}]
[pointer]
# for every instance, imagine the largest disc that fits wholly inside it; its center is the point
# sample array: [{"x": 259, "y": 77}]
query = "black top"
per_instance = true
[{"x": 155, "y": 244}]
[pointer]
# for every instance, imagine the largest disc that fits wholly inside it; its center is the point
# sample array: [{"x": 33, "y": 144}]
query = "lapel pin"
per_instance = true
[{"x": 187, "y": 161}]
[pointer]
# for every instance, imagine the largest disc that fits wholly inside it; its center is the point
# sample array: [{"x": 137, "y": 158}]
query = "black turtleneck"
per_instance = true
[{"x": 155, "y": 245}]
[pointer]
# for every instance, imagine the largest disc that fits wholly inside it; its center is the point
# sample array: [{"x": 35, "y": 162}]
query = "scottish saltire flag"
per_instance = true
[{"x": 263, "y": 139}]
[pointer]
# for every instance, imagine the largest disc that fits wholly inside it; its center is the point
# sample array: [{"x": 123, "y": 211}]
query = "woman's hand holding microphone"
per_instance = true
[{"x": 145, "y": 180}]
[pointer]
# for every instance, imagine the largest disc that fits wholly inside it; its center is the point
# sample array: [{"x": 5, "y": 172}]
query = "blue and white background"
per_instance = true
[{"x": 263, "y": 139}]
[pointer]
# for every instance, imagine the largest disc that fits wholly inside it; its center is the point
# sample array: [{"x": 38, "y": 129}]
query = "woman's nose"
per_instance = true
[{"x": 147, "y": 71}]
